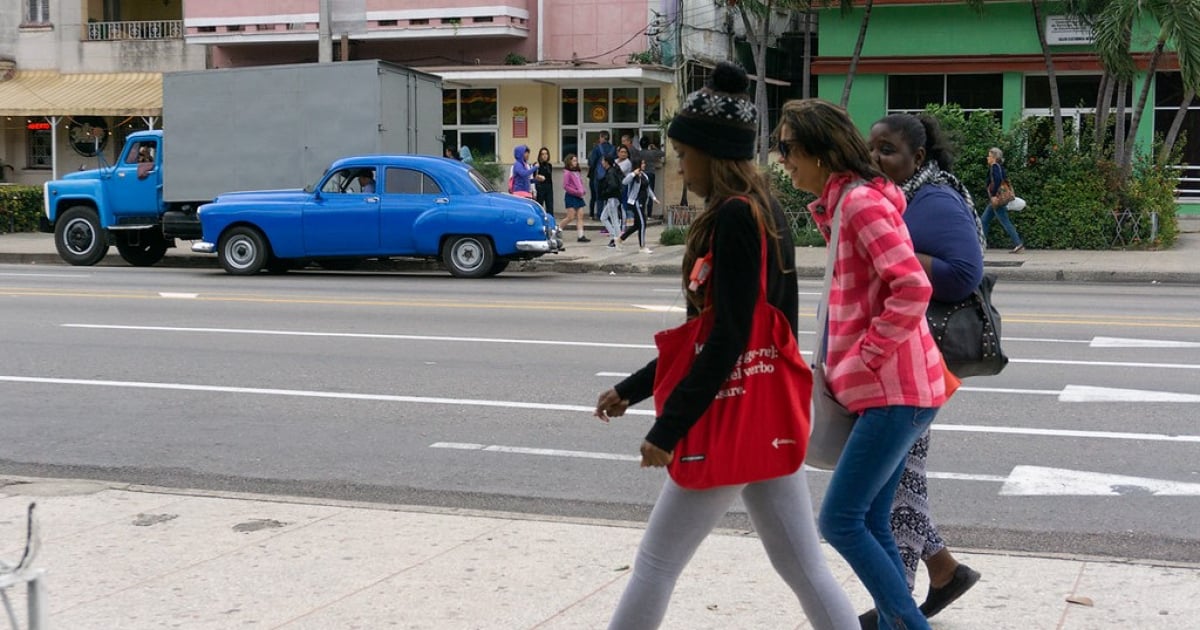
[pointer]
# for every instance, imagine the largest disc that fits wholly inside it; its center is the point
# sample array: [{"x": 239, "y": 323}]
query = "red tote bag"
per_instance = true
[{"x": 757, "y": 426}]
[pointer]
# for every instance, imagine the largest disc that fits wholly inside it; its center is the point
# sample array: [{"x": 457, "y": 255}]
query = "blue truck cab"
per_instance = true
[{"x": 119, "y": 204}]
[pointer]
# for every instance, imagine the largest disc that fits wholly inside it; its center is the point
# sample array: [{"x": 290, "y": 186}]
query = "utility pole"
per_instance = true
[{"x": 325, "y": 32}]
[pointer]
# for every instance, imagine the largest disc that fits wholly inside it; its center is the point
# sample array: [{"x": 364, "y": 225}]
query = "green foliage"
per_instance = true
[
  {"x": 646, "y": 57},
  {"x": 795, "y": 206},
  {"x": 1074, "y": 194},
  {"x": 513, "y": 59},
  {"x": 673, "y": 236},
  {"x": 491, "y": 170},
  {"x": 20, "y": 208}
]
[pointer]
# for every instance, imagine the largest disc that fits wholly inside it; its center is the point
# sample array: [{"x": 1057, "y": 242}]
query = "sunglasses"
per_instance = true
[{"x": 784, "y": 147}]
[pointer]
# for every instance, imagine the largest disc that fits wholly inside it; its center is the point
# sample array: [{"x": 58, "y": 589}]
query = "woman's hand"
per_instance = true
[
  {"x": 654, "y": 457},
  {"x": 610, "y": 405}
]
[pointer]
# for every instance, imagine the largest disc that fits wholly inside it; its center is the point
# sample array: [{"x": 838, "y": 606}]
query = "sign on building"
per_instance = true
[{"x": 1063, "y": 30}]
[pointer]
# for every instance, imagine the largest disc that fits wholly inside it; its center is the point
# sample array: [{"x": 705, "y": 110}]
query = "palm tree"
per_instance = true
[
  {"x": 858, "y": 46},
  {"x": 1179, "y": 25},
  {"x": 1055, "y": 105}
]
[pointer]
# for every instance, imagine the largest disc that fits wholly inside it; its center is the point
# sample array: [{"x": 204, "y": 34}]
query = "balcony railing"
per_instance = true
[{"x": 114, "y": 31}]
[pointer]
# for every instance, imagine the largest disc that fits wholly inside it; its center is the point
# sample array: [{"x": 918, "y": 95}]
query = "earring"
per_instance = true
[{"x": 818, "y": 162}]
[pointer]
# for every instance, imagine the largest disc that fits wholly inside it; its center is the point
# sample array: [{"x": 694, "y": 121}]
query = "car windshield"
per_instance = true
[{"x": 481, "y": 182}]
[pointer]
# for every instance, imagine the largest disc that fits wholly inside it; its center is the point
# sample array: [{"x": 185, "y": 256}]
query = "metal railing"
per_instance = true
[
  {"x": 115, "y": 31},
  {"x": 23, "y": 574},
  {"x": 1188, "y": 189}
]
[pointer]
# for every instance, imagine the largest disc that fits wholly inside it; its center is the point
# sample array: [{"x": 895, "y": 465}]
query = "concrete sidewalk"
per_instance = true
[
  {"x": 134, "y": 557},
  {"x": 1180, "y": 264}
]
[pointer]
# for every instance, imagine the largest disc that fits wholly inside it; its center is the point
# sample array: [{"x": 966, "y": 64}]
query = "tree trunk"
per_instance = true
[
  {"x": 858, "y": 46},
  {"x": 1126, "y": 159},
  {"x": 1103, "y": 102},
  {"x": 1176, "y": 124},
  {"x": 1119, "y": 135},
  {"x": 805, "y": 88},
  {"x": 757, "y": 37},
  {"x": 1055, "y": 105}
]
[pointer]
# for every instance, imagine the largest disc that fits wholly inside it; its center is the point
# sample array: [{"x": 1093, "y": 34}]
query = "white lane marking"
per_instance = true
[
  {"x": 47, "y": 275},
  {"x": 507, "y": 404},
  {"x": 1123, "y": 342},
  {"x": 1165, "y": 366},
  {"x": 659, "y": 308},
  {"x": 1010, "y": 390},
  {"x": 1083, "y": 393},
  {"x": 179, "y": 296},
  {"x": 589, "y": 344},
  {"x": 548, "y": 452},
  {"x": 613, "y": 374},
  {"x": 301, "y": 333},
  {"x": 1043, "y": 340},
  {"x": 1039, "y": 481}
]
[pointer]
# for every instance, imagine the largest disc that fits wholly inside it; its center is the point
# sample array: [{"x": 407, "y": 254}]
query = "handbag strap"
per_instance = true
[{"x": 830, "y": 259}]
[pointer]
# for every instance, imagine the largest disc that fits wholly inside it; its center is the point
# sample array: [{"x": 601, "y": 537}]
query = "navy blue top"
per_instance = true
[
  {"x": 942, "y": 226},
  {"x": 996, "y": 175}
]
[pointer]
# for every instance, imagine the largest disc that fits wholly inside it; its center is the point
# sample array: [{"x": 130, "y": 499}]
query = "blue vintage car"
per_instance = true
[{"x": 379, "y": 206}]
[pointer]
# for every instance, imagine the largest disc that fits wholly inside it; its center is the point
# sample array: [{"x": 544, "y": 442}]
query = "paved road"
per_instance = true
[{"x": 390, "y": 386}]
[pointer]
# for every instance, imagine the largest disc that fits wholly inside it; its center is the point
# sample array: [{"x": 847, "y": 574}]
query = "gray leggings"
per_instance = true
[{"x": 781, "y": 510}]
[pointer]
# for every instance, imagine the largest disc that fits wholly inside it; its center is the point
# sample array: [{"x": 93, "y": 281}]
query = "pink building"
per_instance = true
[{"x": 550, "y": 73}]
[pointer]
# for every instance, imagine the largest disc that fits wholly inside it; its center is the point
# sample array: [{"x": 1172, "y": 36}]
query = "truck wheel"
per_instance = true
[
  {"x": 79, "y": 238},
  {"x": 243, "y": 251},
  {"x": 142, "y": 248},
  {"x": 468, "y": 256},
  {"x": 498, "y": 267}
]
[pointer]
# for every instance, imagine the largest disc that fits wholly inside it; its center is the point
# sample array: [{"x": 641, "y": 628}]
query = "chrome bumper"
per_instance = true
[
  {"x": 534, "y": 246},
  {"x": 203, "y": 247}
]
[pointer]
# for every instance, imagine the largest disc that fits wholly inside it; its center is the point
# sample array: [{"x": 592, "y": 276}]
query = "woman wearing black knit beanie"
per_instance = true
[{"x": 713, "y": 135}]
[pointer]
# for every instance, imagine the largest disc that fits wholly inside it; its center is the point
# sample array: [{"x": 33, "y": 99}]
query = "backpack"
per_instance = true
[{"x": 610, "y": 186}]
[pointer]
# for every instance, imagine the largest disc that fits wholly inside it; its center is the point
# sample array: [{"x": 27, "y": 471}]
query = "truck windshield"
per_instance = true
[{"x": 481, "y": 182}]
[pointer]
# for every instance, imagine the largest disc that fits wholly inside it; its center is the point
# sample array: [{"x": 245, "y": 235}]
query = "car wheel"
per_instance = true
[
  {"x": 79, "y": 238},
  {"x": 498, "y": 267},
  {"x": 339, "y": 264},
  {"x": 468, "y": 256},
  {"x": 243, "y": 251},
  {"x": 142, "y": 248}
]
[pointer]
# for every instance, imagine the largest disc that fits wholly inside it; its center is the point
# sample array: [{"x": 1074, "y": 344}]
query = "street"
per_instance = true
[{"x": 422, "y": 389}]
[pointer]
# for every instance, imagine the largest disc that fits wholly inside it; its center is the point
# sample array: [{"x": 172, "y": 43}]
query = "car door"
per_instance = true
[
  {"x": 341, "y": 219},
  {"x": 136, "y": 188},
  {"x": 408, "y": 194}
]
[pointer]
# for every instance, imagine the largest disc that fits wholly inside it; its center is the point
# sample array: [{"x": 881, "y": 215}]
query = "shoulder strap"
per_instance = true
[{"x": 830, "y": 260}]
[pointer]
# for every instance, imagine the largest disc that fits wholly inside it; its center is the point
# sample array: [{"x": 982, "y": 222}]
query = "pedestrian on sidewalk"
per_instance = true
[
  {"x": 914, "y": 153},
  {"x": 653, "y": 157},
  {"x": 610, "y": 200},
  {"x": 882, "y": 362},
  {"x": 639, "y": 194},
  {"x": 543, "y": 180},
  {"x": 714, "y": 135},
  {"x": 997, "y": 175},
  {"x": 573, "y": 196},
  {"x": 596, "y": 171}
]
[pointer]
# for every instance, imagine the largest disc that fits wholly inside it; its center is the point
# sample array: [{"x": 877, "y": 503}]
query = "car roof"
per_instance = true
[{"x": 429, "y": 162}]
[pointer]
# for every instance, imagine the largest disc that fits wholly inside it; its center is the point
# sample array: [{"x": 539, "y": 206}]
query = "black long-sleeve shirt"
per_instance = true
[{"x": 736, "y": 248}]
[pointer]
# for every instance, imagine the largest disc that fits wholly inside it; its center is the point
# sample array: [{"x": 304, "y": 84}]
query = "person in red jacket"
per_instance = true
[
  {"x": 713, "y": 134},
  {"x": 882, "y": 362}
]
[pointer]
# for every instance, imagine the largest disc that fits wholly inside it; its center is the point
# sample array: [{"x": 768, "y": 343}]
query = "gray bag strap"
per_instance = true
[{"x": 830, "y": 259}]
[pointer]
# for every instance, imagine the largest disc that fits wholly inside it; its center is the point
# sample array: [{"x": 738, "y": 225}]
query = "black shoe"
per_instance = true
[
  {"x": 939, "y": 598},
  {"x": 583, "y": 239},
  {"x": 869, "y": 620}
]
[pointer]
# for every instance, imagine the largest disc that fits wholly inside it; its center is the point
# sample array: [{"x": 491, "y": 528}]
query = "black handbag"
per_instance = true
[{"x": 968, "y": 332}]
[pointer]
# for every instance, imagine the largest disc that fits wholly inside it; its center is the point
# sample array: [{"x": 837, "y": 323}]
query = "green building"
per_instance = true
[{"x": 918, "y": 52}]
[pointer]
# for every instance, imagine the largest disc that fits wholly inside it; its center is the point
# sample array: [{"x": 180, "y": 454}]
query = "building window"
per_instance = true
[
  {"x": 37, "y": 11},
  {"x": 471, "y": 118},
  {"x": 38, "y": 151},
  {"x": 1168, "y": 95},
  {"x": 586, "y": 112},
  {"x": 971, "y": 92}
]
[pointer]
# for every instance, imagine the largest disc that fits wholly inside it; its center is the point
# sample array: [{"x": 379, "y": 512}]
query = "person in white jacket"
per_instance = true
[{"x": 637, "y": 185}]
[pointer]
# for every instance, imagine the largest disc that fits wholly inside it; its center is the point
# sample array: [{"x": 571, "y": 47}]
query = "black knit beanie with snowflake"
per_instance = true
[{"x": 719, "y": 119}]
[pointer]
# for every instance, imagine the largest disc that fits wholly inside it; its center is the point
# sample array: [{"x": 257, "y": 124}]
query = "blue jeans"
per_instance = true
[
  {"x": 1000, "y": 213},
  {"x": 856, "y": 514}
]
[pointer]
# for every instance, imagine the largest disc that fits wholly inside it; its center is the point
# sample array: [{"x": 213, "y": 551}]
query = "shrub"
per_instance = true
[
  {"x": 1150, "y": 190},
  {"x": 673, "y": 236},
  {"x": 971, "y": 135},
  {"x": 491, "y": 170},
  {"x": 795, "y": 206},
  {"x": 20, "y": 208}
]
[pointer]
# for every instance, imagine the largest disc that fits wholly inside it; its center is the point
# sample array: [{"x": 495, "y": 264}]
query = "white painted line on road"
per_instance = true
[
  {"x": 1083, "y": 393},
  {"x": 512, "y": 404},
  {"x": 47, "y": 275},
  {"x": 1010, "y": 390},
  {"x": 613, "y": 374},
  {"x": 521, "y": 450},
  {"x": 1123, "y": 342},
  {"x": 1043, "y": 340},
  {"x": 1163, "y": 366},
  {"x": 553, "y": 452},
  {"x": 658, "y": 308},
  {"x": 300, "y": 333},
  {"x": 1038, "y": 481},
  {"x": 180, "y": 296}
]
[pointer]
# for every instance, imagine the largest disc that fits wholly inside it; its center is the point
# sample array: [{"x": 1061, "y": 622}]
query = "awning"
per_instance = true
[{"x": 49, "y": 93}]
